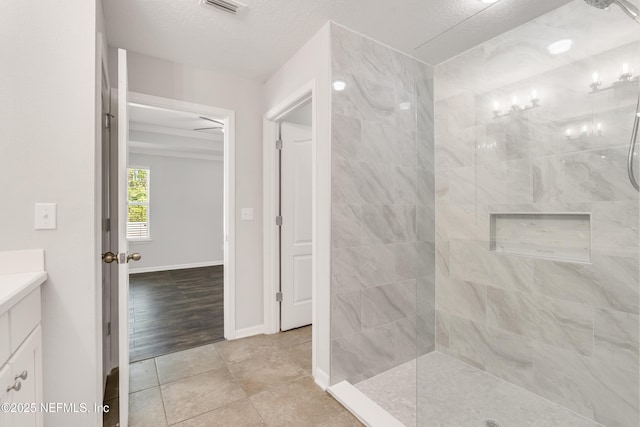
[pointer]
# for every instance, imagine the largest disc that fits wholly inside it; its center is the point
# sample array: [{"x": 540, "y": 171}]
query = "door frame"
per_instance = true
[
  {"x": 271, "y": 258},
  {"x": 229, "y": 119}
]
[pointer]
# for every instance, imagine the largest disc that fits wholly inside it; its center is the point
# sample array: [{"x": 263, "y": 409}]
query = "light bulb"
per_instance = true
[
  {"x": 496, "y": 106},
  {"x": 534, "y": 94},
  {"x": 560, "y": 46},
  {"x": 596, "y": 77},
  {"x": 568, "y": 132},
  {"x": 625, "y": 68},
  {"x": 339, "y": 85},
  {"x": 514, "y": 100}
]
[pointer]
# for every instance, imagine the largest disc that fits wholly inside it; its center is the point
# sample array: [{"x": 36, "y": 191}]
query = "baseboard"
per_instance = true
[
  {"x": 321, "y": 378},
  {"x": 175, "y": 267},
  {"x": 249, "y": 332},
  {"x": 365, "y": 409}
]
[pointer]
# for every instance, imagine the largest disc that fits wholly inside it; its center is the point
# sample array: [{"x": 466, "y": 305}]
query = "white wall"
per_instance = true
[
  {"x": 311, "y": 62},
  {"x": 186, "y": 207},
  {"x": 158, "y": 77},
  {"x": 48, "y": 154}
]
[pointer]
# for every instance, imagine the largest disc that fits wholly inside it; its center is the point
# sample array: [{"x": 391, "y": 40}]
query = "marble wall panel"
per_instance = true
[
  {"x": 464, "y": 299},
  {"x": 616, "y": 338},
  {"x": 388, "y": 303},
  {"x": 561, "y": 323},
  {"x": 599, "y": 390},
  {"x": 383, "y": 208}
]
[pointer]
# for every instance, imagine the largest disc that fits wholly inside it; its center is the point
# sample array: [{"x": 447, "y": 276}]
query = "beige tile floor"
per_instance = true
[{"x": 258, "y": 381}]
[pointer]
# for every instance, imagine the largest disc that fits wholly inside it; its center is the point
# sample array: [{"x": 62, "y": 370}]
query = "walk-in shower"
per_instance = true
[{"x": 485, "y": 237}]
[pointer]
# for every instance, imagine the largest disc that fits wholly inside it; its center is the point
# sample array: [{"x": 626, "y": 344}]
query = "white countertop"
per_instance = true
[{"x": 14, "y": 287}]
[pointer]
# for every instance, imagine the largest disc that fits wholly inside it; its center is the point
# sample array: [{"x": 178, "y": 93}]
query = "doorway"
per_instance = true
[
  {"x": 176, "y": 214},
  {"x": 289, "y": 219},
  {"x": 205, "y": 117},
  {"x": 295, "y": 237}
]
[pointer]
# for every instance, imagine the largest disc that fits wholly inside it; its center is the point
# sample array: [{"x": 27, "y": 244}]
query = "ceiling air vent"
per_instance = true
[{"x": 231, "y": 7}]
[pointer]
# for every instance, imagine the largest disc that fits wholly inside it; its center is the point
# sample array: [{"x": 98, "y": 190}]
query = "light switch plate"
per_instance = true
[
  {"x": 45, "y": 216},
  {"x": 246, "y": 214}
]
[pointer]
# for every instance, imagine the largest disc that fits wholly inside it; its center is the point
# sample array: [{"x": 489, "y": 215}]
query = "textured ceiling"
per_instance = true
[{"x": 257, "y": 42}]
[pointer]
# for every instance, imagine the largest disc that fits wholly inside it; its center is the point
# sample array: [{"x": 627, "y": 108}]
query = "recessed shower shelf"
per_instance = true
[{"x": 558, "y": 236}]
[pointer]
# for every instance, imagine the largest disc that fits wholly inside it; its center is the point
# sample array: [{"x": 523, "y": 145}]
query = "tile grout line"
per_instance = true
[{"x": 164, "y": 408}]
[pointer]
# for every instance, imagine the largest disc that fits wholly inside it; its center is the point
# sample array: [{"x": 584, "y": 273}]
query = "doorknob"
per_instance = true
[
  {"x": 134, "y": 256},
  {"x": 109, "y": 257}
]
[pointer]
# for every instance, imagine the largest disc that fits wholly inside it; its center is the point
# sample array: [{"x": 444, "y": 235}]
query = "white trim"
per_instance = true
[
  {"x": 249, "y": 332},
  {"x": 321, "y": 378},
  {"x": 102, "y": 77},
  {"x": 229, "y": 118},
  {"x": 270, "y": 229},
  {"x": 360, "y": 405},
  {"x": 134, "y": 149},
  {"x": 270, "y": 209},
  {"x": 174, "y": 267}
]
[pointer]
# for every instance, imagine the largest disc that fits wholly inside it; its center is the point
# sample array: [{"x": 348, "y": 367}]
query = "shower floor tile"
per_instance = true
[{"x": 454, "y": 394}]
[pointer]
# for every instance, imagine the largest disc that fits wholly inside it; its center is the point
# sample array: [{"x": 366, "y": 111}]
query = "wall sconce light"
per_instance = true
[
  {"x": 534, "y": 101},
  {"x": 585, "y": 132},
  {"x": 625, "y": 77},
  {"x": 626, "y": 74}
]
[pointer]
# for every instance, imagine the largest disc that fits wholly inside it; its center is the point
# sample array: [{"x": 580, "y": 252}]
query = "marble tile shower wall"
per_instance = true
[
  {"x": 383, "y": 208},
  {"x": 567, "y": 331}
]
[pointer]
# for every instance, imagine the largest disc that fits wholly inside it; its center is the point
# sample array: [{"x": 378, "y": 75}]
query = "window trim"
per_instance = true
[{"x": 147, "y": 238}]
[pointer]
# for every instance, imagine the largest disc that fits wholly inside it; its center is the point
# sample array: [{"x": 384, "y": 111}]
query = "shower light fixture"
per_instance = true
[
  {"x": 514, "y": 105},
  {"x": 339, "y": 85},
  {"x": 625, "y": 77},
  {"x": 560, "y": 46},
  {"x": 586, "y": 131},
  {"x": 626, "y": 74}
]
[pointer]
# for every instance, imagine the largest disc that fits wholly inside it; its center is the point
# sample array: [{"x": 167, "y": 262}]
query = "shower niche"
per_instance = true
[{"x": 557, "y": 236}]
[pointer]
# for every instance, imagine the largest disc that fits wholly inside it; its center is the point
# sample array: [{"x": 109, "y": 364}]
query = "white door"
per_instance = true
[
  {"x": 295, "y": 240},
  {"x": 123, "y": 244}
]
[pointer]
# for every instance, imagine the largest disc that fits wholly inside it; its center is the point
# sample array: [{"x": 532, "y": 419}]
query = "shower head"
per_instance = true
[
  {"x": 626, "y": 6},
  {"x": 600, "y": 4}
]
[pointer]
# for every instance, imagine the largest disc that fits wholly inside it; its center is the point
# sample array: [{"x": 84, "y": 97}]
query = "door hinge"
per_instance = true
[
  {"x": 279, "y": 144},
  {"x": 107, "y": 120},
  {"x": 108, "y": 328},
  {"x": 107, "y": 224},
  {"x": 278, "y": 296},
  {"x": 279, "y": 220}
]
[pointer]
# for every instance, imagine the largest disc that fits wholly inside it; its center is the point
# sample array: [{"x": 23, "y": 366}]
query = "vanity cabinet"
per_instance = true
[{"x": 21, "y": 373}]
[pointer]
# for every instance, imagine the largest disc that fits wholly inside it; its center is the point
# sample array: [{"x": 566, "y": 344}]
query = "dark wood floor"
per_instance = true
[{"x": 175, "y": 310}]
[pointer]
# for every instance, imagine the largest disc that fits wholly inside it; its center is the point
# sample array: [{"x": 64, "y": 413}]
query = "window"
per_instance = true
[{"x": 138, "y": 205}]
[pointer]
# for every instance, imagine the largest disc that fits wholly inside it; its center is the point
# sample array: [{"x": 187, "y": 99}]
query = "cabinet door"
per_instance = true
[
  {"x": 27, "y": 363},
  {"x": 6, "y": 380}
]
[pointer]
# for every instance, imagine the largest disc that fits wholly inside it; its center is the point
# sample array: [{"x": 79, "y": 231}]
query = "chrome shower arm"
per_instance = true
[
  {"x": 629, "y": 9},
  {"x": 632, "y": 148}
]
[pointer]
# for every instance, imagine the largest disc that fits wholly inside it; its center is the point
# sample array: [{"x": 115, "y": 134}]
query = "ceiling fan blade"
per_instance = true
[
  {"x": 212, "y": 120},
  {"x": 215, "y": 127}
]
